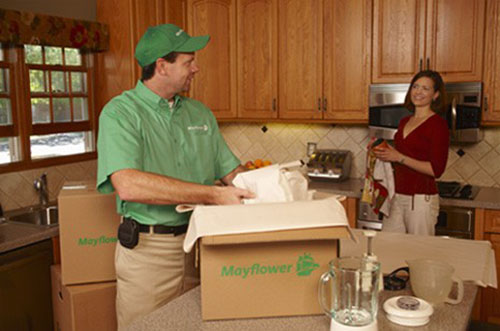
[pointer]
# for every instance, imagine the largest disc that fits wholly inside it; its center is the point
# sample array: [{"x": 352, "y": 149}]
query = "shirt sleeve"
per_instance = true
[
  {"x": 225, "y": 160},
  {"x": 439, "y": 147},
  {"x": 119, "y": 145}
]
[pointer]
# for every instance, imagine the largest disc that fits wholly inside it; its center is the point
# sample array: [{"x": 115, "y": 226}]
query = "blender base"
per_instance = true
[{"x": 336, "y": 326}]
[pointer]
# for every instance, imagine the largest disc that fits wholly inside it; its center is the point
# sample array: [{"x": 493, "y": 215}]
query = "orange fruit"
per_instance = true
[
  {"x": 266, "y": 163},
  {"x": 258, "y": 163}
]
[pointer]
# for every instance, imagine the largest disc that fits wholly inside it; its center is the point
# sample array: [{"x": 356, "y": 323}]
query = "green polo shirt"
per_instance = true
[{"x": 138, "y": 130}]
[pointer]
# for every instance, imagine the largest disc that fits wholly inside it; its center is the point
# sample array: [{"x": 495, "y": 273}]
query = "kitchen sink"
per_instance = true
[{"x": 47, "y": 216}]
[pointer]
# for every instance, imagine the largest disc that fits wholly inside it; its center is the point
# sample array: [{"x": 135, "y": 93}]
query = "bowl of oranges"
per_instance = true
[{"x": 258, "y": 163}]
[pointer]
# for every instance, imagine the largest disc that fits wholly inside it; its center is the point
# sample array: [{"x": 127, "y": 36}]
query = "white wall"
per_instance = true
[{"x": 79, "y": 9}]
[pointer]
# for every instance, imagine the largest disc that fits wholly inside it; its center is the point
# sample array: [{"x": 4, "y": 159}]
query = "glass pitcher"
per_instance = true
[{"x": 348, "y": 292}]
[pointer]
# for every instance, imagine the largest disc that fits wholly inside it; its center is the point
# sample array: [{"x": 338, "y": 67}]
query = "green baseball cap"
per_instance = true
[{"x": 160, "y": 40}]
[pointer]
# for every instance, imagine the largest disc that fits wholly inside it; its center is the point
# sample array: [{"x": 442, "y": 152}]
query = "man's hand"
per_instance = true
[{"x": 230, "y": 195}]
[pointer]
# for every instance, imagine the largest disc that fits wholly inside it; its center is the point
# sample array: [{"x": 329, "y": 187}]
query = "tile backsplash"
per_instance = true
[{"x": 277, "y": 142}]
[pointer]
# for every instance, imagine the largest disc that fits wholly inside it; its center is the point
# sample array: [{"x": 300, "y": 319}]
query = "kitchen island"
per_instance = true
[{"x": 184, "y": 313}]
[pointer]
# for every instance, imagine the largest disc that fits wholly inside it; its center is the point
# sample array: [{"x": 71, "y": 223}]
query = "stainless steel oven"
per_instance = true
[
  {"x": 452, "y": 221},
  {"x": 463, "y": 110}
]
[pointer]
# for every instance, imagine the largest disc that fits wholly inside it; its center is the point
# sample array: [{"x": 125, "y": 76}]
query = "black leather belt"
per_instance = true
[{"x": 163, "y": 229}]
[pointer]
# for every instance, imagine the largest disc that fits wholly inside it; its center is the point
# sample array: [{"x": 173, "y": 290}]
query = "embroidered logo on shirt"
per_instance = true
[
  {"x": 198, "y": 127},
  {"x": 178, "y": 33}
]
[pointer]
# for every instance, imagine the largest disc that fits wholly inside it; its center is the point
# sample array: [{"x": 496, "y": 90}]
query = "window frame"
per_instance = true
[{"x": 14, "y": 57}]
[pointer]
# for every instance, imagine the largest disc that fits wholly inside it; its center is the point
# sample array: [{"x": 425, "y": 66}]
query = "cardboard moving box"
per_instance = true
[
  {"x": 88, "y": 226},
  {"x": 83, "y": 307},
  {"x": 265, "y": 274}
]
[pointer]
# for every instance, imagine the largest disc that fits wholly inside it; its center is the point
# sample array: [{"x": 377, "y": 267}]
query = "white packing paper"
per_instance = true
[{"x": 235, "y": 219}]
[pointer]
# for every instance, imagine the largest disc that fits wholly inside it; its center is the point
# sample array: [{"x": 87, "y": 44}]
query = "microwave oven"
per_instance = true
[{"x": 462, "y": 111}]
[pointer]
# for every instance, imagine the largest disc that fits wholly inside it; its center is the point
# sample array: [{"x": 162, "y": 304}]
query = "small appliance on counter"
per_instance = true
[{"x": 329, "y": 165}]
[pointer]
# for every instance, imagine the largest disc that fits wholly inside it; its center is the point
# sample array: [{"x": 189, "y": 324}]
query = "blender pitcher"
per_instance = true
[{"x": 348, "y": 293}]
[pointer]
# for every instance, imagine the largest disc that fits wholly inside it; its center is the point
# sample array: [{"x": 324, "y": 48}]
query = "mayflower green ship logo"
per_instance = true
[{"x": 304, "y": 267}]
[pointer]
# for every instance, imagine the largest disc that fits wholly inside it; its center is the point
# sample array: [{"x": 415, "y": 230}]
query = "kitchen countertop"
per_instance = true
[
  {"x": 487, "y": 198},
  {"x": 14, "y": 235},
  {"x": 184, "y": 313}
]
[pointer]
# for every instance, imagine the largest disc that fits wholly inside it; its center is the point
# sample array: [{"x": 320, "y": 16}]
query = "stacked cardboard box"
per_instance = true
[{"x": 83, "y": 286}]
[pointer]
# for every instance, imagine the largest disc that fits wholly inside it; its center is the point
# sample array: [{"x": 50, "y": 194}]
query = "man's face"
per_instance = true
[{"x": 181, "y": 72}]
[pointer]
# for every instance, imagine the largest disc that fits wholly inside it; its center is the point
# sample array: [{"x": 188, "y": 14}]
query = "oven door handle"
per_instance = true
[
  {"x": 469, "y": 213},
  {"x": 454, "y": 118}
]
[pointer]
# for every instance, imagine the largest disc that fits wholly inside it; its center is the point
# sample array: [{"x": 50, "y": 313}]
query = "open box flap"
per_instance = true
[{"x": 258, "y": 218}]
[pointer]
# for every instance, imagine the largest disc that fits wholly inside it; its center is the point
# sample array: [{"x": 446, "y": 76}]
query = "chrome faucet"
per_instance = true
[{"x": 40, "y": 185}]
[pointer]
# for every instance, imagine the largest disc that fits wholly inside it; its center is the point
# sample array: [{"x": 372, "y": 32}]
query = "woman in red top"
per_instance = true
[{"x": 419, "y": 157}]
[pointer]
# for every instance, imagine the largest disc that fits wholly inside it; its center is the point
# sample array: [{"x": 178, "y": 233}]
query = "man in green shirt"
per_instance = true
[{"x": 157, "y": 149}]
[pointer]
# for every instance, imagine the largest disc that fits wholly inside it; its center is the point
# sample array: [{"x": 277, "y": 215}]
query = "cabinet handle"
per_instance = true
[
  {"x": 325, "y": 104},
  {"x": 319, "y": 104},
  {"x": 420, "y": 65},
  {"x": 428, "y": 64},
  {"x": 485, "y": 104},
  {"x": 274, "y": 104}
]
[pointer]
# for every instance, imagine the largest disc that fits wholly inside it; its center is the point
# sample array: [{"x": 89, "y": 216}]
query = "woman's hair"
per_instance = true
[
  {"x": 438, "y": 104},
  {"x": 149, "y": 70}
]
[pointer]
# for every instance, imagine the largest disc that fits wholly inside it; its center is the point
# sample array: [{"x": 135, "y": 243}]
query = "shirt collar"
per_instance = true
[{"x": 156, "y": 102}]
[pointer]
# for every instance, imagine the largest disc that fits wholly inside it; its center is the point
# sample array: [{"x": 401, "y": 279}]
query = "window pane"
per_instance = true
[
  {"x": 1, "y": 53},
  {"x": 80, "y": 109},
  {"x": 61, "y": 144},
  {"x": 4, "y": 80},
  {"x": 62, "y": 110},
  {"x": 5, "y": 112},
  {"x": 9, "y": 150},
  {"x": 53, "y": 55},
  {"x": 33, "y": 54},
  {"x": 72, "y": 57},
  {"x": 78, "y": 82},
  {"x": 58, "y": 81},
  {"x": 37, "y": 81},
  {"x": 40, "y": 110}
]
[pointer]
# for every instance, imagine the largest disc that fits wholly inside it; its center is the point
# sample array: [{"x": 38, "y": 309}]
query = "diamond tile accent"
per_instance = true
[{"x": 466, "y": 166}]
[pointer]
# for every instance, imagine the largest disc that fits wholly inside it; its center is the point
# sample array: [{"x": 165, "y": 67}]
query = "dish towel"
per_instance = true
[{"x": 378, "y": 188}]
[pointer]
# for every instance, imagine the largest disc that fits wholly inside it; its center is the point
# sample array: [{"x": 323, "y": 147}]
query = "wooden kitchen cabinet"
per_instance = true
[
  {"x": 442, "y": 35},
  {"x": 257, "y": 43},
  {"x": 117, "y": 69},
  {"x": 317, "y": 70},
  {"x": 491, "y": 101},
  {"x": 215, "y": 83},
  {"x": 487, "y": 227},
  {"x": 324, "y": 59}
]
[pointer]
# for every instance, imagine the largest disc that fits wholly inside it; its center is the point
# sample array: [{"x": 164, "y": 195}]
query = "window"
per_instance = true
[{"x": 53, "y": 122}]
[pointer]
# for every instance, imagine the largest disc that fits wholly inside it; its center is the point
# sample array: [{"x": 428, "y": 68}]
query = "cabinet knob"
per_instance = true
[
  {"x": 319, "y": 104},
  {"x": 485, "y": 104},
  {"x": 325, "y": 104},
  {"x": 420, "y": 65},
  {"x": 274, "y": 104},
  {"x": 428, "y": 64}
]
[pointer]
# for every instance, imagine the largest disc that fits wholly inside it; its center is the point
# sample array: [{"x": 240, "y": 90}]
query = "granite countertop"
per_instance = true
[
  {"x": 184, "y": 313},
  {"x": 487, "y": 198},
  {"x": 14, "y": 235}
]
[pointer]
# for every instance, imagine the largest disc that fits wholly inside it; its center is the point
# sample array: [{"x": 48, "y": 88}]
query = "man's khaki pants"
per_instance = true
[
  {"x": 415, "y": 214},
  {"x": 148, "y": 276}
]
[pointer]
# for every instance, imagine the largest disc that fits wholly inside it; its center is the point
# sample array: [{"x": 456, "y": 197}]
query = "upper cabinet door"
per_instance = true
[
  {"x": 398, "y": 39},
  {"x": 491, "y": 101},
  {"x": 215, "y": 83},
  {"x": 257, "y": 22},
  {"x": 455, "y": 33},
  {"x": 347, "y": 36},
  {"x": 301, "y": 56}
]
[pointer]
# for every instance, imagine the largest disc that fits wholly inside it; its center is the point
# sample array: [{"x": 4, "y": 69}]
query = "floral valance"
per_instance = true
[{"x": 28, "y": 28}]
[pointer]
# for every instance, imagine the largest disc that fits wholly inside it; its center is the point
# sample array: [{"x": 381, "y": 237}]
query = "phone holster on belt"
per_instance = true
[{"x": 128, "y": 233}]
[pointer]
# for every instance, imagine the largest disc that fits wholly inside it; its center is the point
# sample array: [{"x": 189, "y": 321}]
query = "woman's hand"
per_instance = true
[{"x": 388, "y": 154}]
